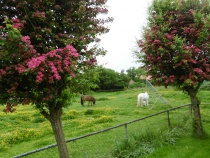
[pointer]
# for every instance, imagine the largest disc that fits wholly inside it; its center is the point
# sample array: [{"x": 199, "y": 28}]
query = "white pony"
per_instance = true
[{"x": 143, "y": 98}]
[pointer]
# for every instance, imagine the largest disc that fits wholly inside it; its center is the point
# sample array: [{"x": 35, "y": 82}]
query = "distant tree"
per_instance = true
[
  {"x": 125, "y": 78},
  {"x": 110, "y": 80},
  {"x": 136, "y": 73},
  {"x": 176, "y": 47},
  {"x": 131, "y": 72},
  {"x": 43, "y": 52},
  {"x": 140, "y": 71}
]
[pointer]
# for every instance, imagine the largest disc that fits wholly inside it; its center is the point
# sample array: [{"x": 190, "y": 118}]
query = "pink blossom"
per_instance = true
[
  {"x": 82, "y": 38},
  {"x": 72, "y": 74},
  {"x": 156, "y": 41},
  {"x": 72, "y": 50},
  {"x": 192, "y": 30},
  {"x": 190, "y": 11},
  {"x": 57, "y": 76},
  {"x": 35, "y": 62},
  {"x": 26, "y": 39},
  {"x": 17, "y": 25},
  {"x": 20, "y": 68},
  {"x": 198, "y": 70},
  {"x": 174, "y": 31},
  {"x": 39, "y": 14},
  {"x": 7, "y": 68},
  {"x": 2, "y": 72},
  {"x": 39, "y": 77},
  {"x": 55, "y": 62},
  {"x": 193, "y": 61},
  {"x": 168, "y": 36},
  {"x": 197, "y": 50},
  {"x": 57, "y": 7},
  {"x": 15, "y": 20},
  {"x": 50, "y": 77},
  {"x": 141, "y": 43}
]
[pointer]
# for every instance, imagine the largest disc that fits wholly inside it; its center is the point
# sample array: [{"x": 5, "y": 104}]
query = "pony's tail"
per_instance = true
[
  {"x": 82, "y": 103},
  {"x": 94, "y": 101}
]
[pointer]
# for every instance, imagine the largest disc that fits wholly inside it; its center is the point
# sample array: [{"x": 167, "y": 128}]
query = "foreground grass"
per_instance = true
[
  {"x": 26, "y": 129},
  {"x": 187, "y": 147}
]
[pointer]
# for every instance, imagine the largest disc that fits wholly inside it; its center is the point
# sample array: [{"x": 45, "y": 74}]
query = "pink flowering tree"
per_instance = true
[
  {"x": 175, "y": 47},
  {"x": 44, "y": 52}
]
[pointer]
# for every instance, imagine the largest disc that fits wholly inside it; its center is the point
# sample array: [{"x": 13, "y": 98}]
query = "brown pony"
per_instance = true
[{"x": 88, "y": 98}]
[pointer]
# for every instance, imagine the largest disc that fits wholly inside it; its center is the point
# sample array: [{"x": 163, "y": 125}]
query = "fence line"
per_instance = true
[{"x": 108, "y": 129}]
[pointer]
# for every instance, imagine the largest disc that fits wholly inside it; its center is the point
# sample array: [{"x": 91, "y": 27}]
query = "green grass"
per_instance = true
[
  {"x": 187, "y": 147},
  {"x": 27, "y": 130}
]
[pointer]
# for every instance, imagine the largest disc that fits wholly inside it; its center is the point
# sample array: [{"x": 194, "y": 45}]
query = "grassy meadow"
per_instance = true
[{"x": 27, "y": 130}]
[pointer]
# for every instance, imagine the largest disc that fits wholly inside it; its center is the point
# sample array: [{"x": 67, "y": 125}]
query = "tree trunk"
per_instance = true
[
  {"x": 198, "y": 128},
  {"x": 55, "y": 120}
]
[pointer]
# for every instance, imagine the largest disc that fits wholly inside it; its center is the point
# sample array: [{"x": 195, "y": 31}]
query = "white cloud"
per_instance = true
[{"x": 129, "y": 19}]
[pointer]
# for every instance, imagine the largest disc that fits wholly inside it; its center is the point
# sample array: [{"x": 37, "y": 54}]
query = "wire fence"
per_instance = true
[{"x": 104, "y": 143}]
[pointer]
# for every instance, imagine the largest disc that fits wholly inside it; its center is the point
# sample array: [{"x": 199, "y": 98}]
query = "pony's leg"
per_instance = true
[{"x": 138, "y": 103}]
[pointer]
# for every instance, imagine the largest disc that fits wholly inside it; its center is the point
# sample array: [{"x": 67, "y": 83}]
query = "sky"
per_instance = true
[{"x": 129, "y": 18}]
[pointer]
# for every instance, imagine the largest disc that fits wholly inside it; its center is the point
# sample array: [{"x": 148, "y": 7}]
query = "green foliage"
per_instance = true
[
  {"x": 135, "y": 73},
  {"x": 108, "y": 79},
  {"x": 136, "y": 85}
]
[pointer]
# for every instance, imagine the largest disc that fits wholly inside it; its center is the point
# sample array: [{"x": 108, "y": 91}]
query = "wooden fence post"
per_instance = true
[
  {"x": 169, "y": 122},
  {"x": 126, "y": 131}
]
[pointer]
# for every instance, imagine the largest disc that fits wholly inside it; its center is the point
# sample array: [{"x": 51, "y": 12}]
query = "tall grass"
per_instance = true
[
  {"x": 27, "y": 130},
  {"x": 145, "y": 142}
]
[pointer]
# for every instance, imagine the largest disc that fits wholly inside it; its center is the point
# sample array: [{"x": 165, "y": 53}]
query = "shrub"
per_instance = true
[{"x": 137, "y": 84}]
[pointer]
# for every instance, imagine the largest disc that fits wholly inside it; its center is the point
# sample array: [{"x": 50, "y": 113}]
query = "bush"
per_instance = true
[{"x": 137, "y": 84}]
